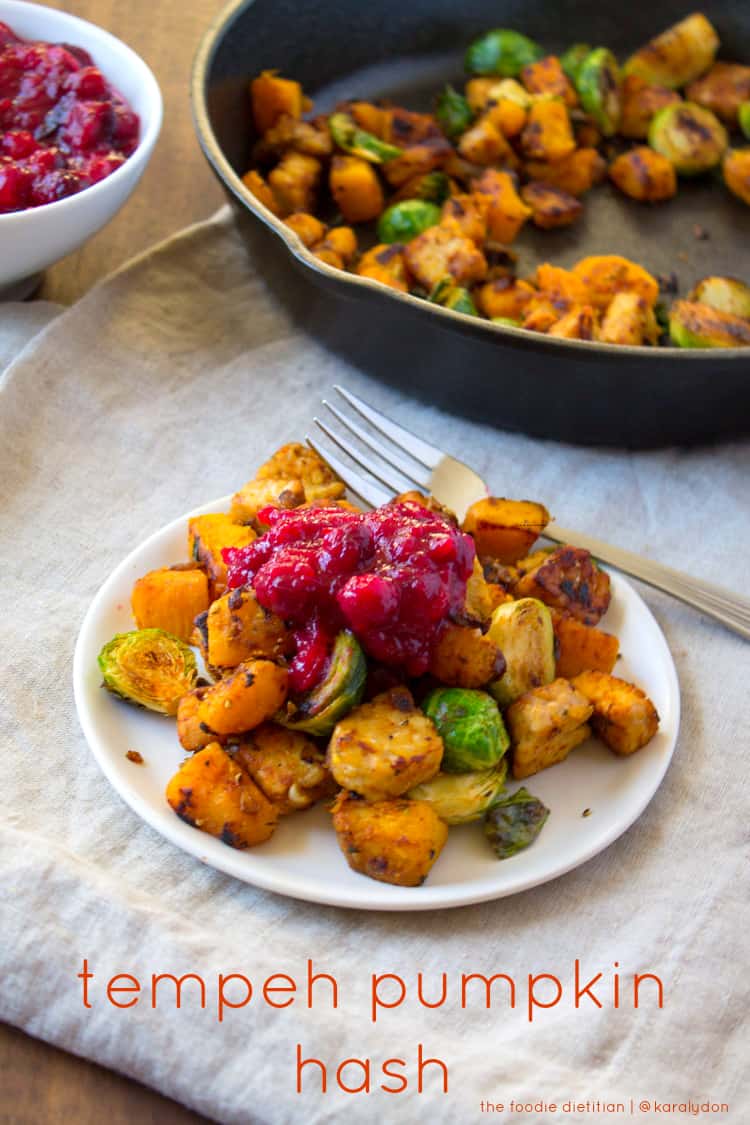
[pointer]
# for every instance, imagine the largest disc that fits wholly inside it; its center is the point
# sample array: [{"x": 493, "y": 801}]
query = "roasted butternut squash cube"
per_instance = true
[
  {"x": 258, "y": 187},
  {"x": 395, "y": 841},
  {"x": 294, "y": 182},
  {"x": 369, "y": 117},
  {"x": 440, "y": 252},
  {"x": 404, "y": 127},
  {"x": 341, "y": 241},
  {"x": 417, "y": 160},
  {"x": 644, "y": 175},
  {"x": 568, "y": 579},
  {"x": 640, "y": 102},
  {"x": 722, "y": 90},
  {"x": 736, "y": 170},
  {"x": 607, "y": 274},
  {"x": 281, "y": 492},
  {"x": 253, "y": 693},
  {"x": 505, "y": 297},
  {"x": 506, "y": 211},
  {"x": 193, "y": 734},
  {"x": 546, "y": 76},
  {"x": 356, "y": 189},
  {"x": 382, "y": 748},
  {"x": 385, "y": 263},
  {"x": 578, "y": 324},
  {"x": 505, "y": 529},
  {"x": 272, "y": 97},
  {"x": 207, "y": 537},
  {"x": 308, "y": 229},
  {"x": 483, "y": 143},
  {"x": 479, "y": 601},
  {"x": 212, "y": 792},
  {"x": 548, "y": 134},
  {"x": 623, "y": 715},
  {"x": 545, "y": 724},
  {"x": 239, "y": 628},
  {"x": 560, "y": 286},
  {"x": 581, "y": 648},
  {"x": 551, "y": 206},
  {"x": 466, "y": 216},
  {"x": 287, "y": 765},
  {"x": 465, "y": 657},
  {"x": 574, "y": 174},
  {"x": 313, "y": 138},
  {"x": 170, "y": 598},
  {"x": 629, "y": 320}
]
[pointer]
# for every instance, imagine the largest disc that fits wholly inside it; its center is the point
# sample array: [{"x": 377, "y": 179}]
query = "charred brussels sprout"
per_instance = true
[
  {"x": 572, "y": 60},
  {"x": 691, "y": 137},
  {"x": 148, "y": 667},
  {"x": 452, "y": 296},
  {"x": 403, "y": 221},
  {"x": 695, "y": 325},
  {"x": 434, "y": 187},
  {"x": 502, "y": 52},
  {"x": 358, "y": 142},
  {"x": 598, "y": 86},
  {"x": 453, "y": 112},
  {"x": 726, "y": 294},
  {"x": 458, "y": 798},
  {"x": 743, "y": 118},
  {"x": 523, "y": 632},
  {"x": 514, "y": 823},
  {"x": 320, "y": 709},
  {"x": 471, "y": 727},
  {"x": 678, "y": 55}
]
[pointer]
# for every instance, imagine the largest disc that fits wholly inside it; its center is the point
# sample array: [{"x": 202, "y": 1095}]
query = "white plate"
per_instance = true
[{"x": 303, "y": 859}]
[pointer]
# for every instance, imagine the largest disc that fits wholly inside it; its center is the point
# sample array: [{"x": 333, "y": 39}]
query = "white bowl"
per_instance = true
[{"x": 33, "y": 239}]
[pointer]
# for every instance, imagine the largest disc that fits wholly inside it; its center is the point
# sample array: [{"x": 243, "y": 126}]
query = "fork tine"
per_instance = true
[
  {"x": 389, "y": 480},
  {"x": 366, "y": 490},
  {"x": 414, "y": 476},
  {"x": 425, "y": 453}
]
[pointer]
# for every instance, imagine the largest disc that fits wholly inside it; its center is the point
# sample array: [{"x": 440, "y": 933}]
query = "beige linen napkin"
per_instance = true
[{"x": 164, "y": 387}]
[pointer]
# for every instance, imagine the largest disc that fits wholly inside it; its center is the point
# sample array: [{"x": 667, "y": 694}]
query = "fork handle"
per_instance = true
[{"x": 730, "y": 609}]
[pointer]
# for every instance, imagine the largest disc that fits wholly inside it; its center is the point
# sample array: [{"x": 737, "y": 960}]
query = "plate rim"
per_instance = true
[{"x": 405, "y": 899}]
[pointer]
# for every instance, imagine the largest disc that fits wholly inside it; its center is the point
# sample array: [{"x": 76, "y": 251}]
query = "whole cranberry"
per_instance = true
[
  {"x": 15, "y": 187},
  {"x": 44, "y": 160},
  {"x": 88, "y": 125},
  {"x": 99, "y": 167},
  {"x": 88, "y": 83},
  {"x": 18, "y": 143}
]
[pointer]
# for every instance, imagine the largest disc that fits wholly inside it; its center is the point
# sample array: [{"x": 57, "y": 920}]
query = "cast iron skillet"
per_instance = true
[{"x": 563, "y": 389}]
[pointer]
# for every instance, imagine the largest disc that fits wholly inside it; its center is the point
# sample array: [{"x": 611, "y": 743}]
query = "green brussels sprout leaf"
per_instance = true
[
  {"x": 573, "y": 58},
  {"x": 453, "y": 112},
  {"x": 743, "y": 118},
  {"x": 598, "y": 86},
  {"x": 148, "y": 667},
  {"x": 514, "y": 823},
  {"x": 357, "y": 142}
]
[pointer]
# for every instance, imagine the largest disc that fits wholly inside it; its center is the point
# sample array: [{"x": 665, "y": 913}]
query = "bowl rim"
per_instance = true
[
  {"x": 520, "y": 337},
  {"x": 146, "y": 141}
]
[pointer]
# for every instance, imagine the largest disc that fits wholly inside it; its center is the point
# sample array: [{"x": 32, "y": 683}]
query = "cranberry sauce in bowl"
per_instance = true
[
  {"x": 394, "y": 576},
  {"x": 62, "y": 125}
]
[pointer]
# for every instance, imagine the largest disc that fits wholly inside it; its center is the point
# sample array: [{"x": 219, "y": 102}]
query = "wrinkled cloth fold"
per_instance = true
[{"x": 165, "y": 386}]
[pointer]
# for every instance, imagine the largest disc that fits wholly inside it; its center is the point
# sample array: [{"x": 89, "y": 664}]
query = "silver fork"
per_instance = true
[{"x": 408, "y": 462}]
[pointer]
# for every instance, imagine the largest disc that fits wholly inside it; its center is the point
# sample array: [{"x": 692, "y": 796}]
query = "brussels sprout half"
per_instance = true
[
  {"x": 471, "y": 727},
  {"x": 523, "y": 632},
  {"x": 358, "y": 142},
  {"x": 598, "y": 86},
  {"x": 453, "y": 112},
  {"x": 318, "y": 711},
  {"x": 148, "y": 667},
  {"x": 434, "y": 187},
  {"x": 459, "y": 798},
  {"x": 572, "y": 60},
  {"x": 502, "y": 52},
  {"x": 691, "y": 137},
  {"x": 405, "y": 220},
  {"x": 743, "y": 118},
  {"x": 726, "y": 294},
  {"x": 678, "y": 55},
  {"x": 514, "y": 823},
  {"x": 696, "y": 325},
  {"x": 452, "y": 296}
]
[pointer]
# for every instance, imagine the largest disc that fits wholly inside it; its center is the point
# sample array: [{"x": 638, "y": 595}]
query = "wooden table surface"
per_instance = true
[{"x": 40, "y": 1085}]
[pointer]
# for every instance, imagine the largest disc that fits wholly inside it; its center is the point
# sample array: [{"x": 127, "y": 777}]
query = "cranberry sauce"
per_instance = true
[
  {"x": 394, "y": 576},
  {"x": 62, "y": 126}
]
